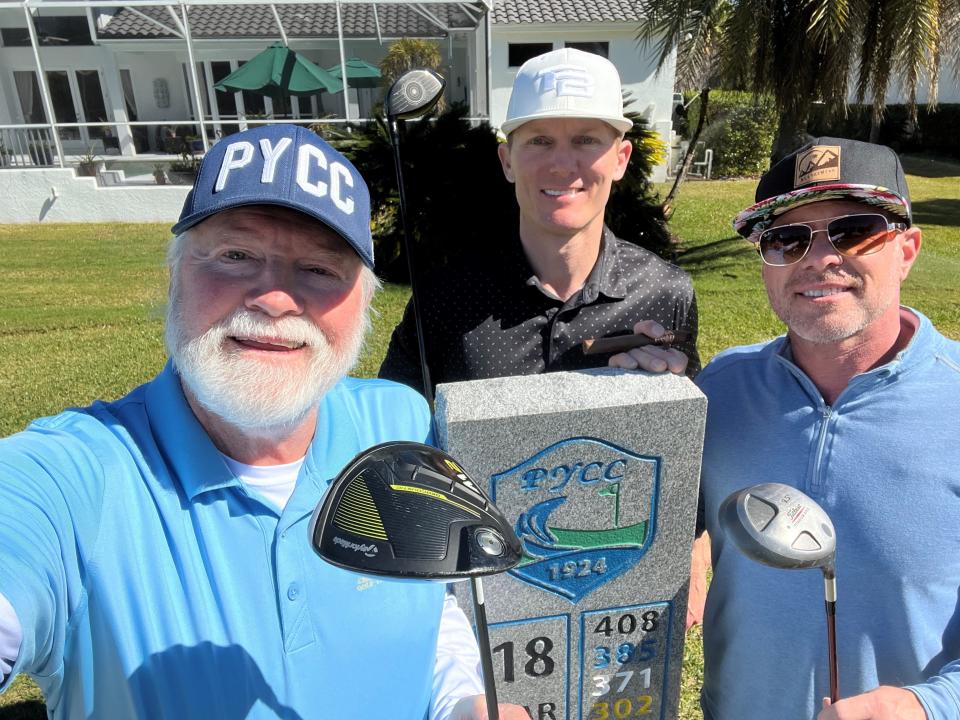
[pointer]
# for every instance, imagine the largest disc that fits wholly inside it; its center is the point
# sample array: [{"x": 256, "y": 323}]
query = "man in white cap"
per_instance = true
[{"x": 526, "y": 306}]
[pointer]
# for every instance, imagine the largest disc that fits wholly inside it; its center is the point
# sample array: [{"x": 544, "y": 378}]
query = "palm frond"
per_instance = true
[{"x": 829, "y": 20}]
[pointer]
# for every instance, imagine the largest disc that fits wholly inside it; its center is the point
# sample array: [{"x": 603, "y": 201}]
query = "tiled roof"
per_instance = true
[
  {"x": 299, "y": 20},
  {"x": 564, "y": 11}
]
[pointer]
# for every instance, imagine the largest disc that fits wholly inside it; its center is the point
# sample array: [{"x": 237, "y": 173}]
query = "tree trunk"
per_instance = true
[
  {"x": 688, "y": 157},
  {"x": 791, "y": 134}
]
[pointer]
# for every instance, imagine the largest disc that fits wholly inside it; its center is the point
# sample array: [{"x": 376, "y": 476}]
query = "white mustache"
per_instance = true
[{"x": 295, "y": 330}]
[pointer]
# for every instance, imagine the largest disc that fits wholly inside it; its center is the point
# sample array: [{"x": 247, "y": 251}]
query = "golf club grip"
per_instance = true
[
  {"x": 832, "y": 650},
  {"x": 486, "y": 657},
  {"x": 622, "y": 343}
]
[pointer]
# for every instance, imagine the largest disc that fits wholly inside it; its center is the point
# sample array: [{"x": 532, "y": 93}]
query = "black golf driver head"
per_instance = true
[
  {"x": 408, "y": 510},
  {"x": 780, "y": 526},
  {"x": 414, "y": 94}
]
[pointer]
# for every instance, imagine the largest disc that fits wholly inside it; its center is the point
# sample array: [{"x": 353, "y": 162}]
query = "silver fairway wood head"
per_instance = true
[
  {"x": 778, "y": 525},
  {"x": 414, "y": 94}
]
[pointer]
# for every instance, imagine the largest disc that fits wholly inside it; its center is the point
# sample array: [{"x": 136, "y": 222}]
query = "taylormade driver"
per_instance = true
[
  {"x": 412, "y": 95},
  {"x": 407, "y": 510},
  {"x": 780, "y": 526}
]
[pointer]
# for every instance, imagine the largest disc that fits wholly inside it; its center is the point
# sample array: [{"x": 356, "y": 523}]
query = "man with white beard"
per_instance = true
[{"x": 154, "y": 559}]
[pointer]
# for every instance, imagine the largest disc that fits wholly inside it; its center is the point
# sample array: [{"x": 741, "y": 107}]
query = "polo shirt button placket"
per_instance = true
[{"x": 293, "y": 591}]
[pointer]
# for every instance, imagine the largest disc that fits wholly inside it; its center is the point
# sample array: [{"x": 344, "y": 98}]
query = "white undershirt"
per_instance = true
[
  {"x": 275, "y": 483},
  {"x": 456, "y": 672}
]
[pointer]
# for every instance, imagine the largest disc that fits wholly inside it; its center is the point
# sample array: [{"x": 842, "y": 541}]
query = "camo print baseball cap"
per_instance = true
[{"x": 828, "y": 168}]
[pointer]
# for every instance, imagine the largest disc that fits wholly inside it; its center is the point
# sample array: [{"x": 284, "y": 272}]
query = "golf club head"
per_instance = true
[
  {"x": 780, "y": 526},
  {"x": 414, "y": 94},
  {"x": 407, "y": 510}
]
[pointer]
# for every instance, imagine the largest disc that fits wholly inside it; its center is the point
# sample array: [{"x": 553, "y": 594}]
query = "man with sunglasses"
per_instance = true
[{"x": 856, "y": 406}]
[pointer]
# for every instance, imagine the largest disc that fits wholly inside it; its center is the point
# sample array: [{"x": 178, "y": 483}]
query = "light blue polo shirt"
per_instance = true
[{"x": 150, "y": 583}]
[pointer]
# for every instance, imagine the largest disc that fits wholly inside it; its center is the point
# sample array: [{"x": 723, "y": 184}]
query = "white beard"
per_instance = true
[{"x": 257, "y": 397}]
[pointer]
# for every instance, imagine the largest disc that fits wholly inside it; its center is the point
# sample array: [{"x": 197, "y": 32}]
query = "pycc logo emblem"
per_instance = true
[{"x": 585, "y": 513}]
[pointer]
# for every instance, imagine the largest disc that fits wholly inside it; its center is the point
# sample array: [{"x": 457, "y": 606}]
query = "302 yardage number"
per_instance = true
[
  {"x": 622, "y": 708},
  {"x": 539, "y": 663}
]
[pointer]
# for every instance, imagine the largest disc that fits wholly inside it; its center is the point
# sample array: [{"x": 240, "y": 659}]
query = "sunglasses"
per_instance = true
[{"x": 850, "y": 235}]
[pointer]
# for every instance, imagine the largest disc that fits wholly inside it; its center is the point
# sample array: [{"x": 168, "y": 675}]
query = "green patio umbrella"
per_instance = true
[
  {"x": 280, "y": 72},
  {"x": 360, "y": 74}
]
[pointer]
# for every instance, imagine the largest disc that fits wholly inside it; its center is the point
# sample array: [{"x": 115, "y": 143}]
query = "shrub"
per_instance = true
[
  {"x": 935, "y": 131},
  {"x": 633, "y": 211},
  {"x": 740, "y": 129}
]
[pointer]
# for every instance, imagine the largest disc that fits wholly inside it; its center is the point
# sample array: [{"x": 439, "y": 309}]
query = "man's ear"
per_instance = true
[
  {"x": 623, "y": 157},
  {"x": 503, "y": 152},
  {"x": 909, "y": 241}
]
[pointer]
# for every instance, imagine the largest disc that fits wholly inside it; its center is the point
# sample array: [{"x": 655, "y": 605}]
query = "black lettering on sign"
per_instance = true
[
  {"x": 539, "y": 662},
  {"x": 545, "y": 711}
]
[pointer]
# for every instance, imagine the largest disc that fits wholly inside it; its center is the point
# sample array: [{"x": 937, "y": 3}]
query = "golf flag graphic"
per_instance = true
[{"x": 588, "y": 513}]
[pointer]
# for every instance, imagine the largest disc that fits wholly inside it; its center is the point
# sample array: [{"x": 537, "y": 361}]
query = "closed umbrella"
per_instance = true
[{"x": 279, "y": 72}]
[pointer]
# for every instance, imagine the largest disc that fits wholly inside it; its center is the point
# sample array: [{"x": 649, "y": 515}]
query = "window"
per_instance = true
[
  {"x": 91, "y": 102},
  {"x": 597, "y": 48},
  {"x": 226, "y": 101},
  {"x": 28, "y": 90},
  {"x": 77, "y": 96},
  {"x": 64, "y": 109},
  {"x": 51, "y": 30},
  {"x": 519, "y": 53}
]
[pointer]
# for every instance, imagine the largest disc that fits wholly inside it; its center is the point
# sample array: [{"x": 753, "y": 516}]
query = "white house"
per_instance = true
[{"x": 123, "y": 81}]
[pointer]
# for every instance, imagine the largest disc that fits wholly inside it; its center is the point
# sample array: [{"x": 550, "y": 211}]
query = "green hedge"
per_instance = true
[
  {"x": 740, "y": 129},
  {"x": 935, "y": 132}
]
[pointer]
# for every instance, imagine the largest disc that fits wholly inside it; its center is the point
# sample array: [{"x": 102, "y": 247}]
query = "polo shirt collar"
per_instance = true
[
  {"x": 605, "y": 277},
  {"x": 921, "y": 349},
  {"x": 196, "y": 463},
  {"x": 190, "y": 454}
]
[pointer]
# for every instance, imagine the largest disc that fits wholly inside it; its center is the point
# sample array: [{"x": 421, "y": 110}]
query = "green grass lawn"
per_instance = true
[{"x": 81, "y": 310}]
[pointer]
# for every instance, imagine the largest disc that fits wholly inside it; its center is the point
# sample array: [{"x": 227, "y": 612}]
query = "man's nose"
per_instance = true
[
  {"x": 822, "y": 253},
  {"x": 562, "y": 160},
  {"x": 275, "y": 292}
]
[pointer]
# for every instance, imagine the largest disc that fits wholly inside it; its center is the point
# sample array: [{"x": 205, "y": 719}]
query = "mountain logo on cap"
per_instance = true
[
  {"x": 565, "y": 81},
  {"x": 818, "y": 164}
]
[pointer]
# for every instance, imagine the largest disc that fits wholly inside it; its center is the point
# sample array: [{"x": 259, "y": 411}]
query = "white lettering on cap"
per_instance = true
[
  {"x": 271, "y": 154},
  {"x": 238, "y": 155},
  {"x": 340, "y": 176},
  {"x": 565, "y": 80},
  {"x": 319, "y": 188},
  {"x": 338, "y": 171}
]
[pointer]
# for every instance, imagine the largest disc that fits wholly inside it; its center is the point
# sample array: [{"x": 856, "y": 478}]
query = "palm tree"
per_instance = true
[
  {"x": 406, "y": 54},
  {"x": 906, "y": 40},
  {"x": 696, "y": 31},
  {"x": 802, "y": 51}
]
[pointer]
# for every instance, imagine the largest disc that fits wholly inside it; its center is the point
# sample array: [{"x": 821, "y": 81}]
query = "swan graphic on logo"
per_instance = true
[{"x": 585, "y": 513}]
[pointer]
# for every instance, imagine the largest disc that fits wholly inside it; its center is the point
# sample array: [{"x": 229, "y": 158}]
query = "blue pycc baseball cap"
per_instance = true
[{"x": 284, "y": 165}]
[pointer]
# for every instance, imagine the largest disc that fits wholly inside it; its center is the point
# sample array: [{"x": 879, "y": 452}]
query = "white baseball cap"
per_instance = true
[{"x": 566, "y": 83}]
